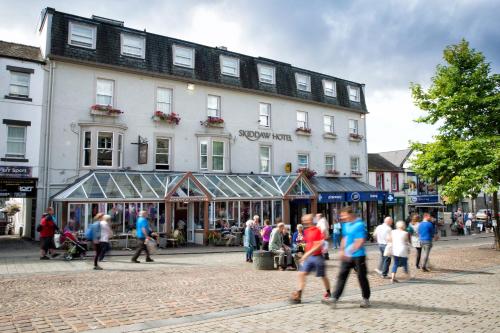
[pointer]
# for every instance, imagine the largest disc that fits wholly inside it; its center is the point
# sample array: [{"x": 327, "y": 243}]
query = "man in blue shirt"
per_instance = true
[
  {"x": 353, "y": 255},
  {"x": 426, "y": 233},
  {"x": 143, "y": 233}
]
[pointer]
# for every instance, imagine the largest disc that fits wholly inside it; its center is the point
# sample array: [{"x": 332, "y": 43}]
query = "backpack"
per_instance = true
[{"x": 93, "y": 231}]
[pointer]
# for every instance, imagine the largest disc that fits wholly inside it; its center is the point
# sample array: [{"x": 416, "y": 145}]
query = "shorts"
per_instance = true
[
  {"x": 314, "y": 263},
  {"x": 47, "y": 243}
]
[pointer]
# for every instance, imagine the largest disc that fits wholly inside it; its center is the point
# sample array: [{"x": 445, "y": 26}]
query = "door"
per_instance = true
[{"x": 190, "y": 224}]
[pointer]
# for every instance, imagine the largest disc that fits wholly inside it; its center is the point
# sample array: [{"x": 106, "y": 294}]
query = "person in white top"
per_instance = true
[
  {"x": 324, "y": 226},
  {"x": 380, "y": 234},
  {"x": 400, "y": 241},
  {"x": 106, "y": 234}
]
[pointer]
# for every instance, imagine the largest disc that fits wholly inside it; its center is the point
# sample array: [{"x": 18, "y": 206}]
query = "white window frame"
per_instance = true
[
  {"x": 327, "y": 91},
  {"x": 206, "y": 143},
  {"x": 328, "y": 164},
  {"x": 306, "y": 121},
  {"x": 119, "y": 150},
  {"x": 357, "y": 96},
  {"x": 168, "y": 154},
  {"x": 298, "y": 160},
  {"x": 266, "y": 117},
  {"x": 269, "y": 159},
  {"x": 217, "y": 110},
  {"x": 113, "y": 157},
  {"x": 331, "y": 127},
  {"x": 142, "y": 39},
  {"x": 212, "y": 155},
  {"x": 353, "y": 129},
  {"x": 89, "y": 149},
  {"x": 260, "y": 67},
  {"x": 168, "y": 104},
  {"x": 9, "y": 140},
  {"x": 223, "y": 64},
  {"x": 83, "y": 25},
  {"x": 176, "y": 48},
  {"x": 357, "y": 169},
  {"x": 97, "y": 93},
  {"x": 303, "y": 80},
  {"x": 14, "y": 73}
]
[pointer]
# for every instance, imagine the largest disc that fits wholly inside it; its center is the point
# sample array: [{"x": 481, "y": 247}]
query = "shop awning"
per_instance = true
[
  {"x": 345, "y": 190},
  {"x": 159, "y": 186}
]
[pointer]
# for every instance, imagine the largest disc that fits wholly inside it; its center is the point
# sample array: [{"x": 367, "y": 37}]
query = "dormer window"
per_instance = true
[
  {"x": 230, "y": 66},
  {"x": 303, "y": 82},
  {"x": 183, "y": 56},
  {"x": 354, "y": 95},
  {"x": 266, "y": 74},
  {"x": 133, "y": 46},
  {"x": 329, "y": 88},
  {"x": 83, "y": 35}
]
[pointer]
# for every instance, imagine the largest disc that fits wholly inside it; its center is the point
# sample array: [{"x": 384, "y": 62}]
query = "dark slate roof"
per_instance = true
[
  {"x": 378, "y": 163},
  {"x": 20, "y": 52},
  {"x": 324, "y": 184},
  {"x": 158, "y": 60},
  {"x": 397, "y": 157}
]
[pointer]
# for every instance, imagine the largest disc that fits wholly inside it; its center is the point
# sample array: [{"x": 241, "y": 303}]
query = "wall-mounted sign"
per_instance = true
[
  {"x": 288, "y": 167},
  {"x": 15, "y": 171},
  {"x": 143, "y": 153},
  {"x": 17, "y": 188},
  {"x": 257, "y": 135}
]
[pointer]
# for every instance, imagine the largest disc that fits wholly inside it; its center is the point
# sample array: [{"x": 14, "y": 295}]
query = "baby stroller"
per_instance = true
[{"x": 74, "y": 248}]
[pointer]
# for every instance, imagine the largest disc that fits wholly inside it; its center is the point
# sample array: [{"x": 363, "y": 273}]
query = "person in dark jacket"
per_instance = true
[{"x": 47, "y": 229}]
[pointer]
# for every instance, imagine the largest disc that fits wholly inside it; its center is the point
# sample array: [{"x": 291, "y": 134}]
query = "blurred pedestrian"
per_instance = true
[
  {"x": 415, "y": 239},
  {"x": 298, "y": 242},
  {"x": 287, "y": 238},
  {"x": 47, "y": 229},
  {"x": 324, "y": 226},
  {"x": 468, "y": 225},
  {"x": 399, "y": 238},
  {"x": 143, "y": 234},
  {"x": 427, "y": 233},
  {"x": 312, "y": 260},
  {"x": 266, "y": 234},
  {"x": 93, "y": 235},
  {"x": 256, "y": 231},
  {"x": 381, "y": 233},
  {"x": 353, "y": 255},
  {"x": 337, "y": 234},
  {"x": 106, "y": 234},
  {"x": 249, "y": 241}
]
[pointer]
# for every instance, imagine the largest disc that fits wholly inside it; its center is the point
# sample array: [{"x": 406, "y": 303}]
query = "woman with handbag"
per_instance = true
[{"x": 400, "y": 246}]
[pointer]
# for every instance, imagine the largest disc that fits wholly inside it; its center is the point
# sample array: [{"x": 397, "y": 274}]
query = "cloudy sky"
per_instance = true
[{"x": 384, "y": 44}]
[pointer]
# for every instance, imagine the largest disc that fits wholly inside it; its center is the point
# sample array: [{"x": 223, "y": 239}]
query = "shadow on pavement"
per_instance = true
[
  {"x": 409, "y": 307},
  {"x": 156, "y": 263},
  {"x": 461, "y": 271},
  {"x": 436, "y": 281}
]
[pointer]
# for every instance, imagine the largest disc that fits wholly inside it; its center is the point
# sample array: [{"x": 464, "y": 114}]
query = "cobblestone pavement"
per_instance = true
[{"x": 63, "y": 296}]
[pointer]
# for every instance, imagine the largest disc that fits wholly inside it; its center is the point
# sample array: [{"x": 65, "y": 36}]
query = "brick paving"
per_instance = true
[{"x": 68, "y": 296}]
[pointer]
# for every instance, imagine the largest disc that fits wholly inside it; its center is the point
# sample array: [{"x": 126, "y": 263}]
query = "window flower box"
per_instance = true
[
  {"x": 356, "y": 174},
  {"x": 213, "y": 122},
  {"x": 169, "y": 118},
  {"x": 329, "y": 135},
  {"x": 332, "y": 173},
  {"x": 308, "y": 172},
  {"x": 104, "y": 110},
  {"x": 355, "y": 137},
  {"x": 303, "y": 131}
]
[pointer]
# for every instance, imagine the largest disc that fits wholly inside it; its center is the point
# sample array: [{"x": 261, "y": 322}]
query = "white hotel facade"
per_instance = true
[{"x": 193, "y": 133}]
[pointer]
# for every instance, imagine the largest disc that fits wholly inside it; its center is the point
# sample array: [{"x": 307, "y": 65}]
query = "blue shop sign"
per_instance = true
[
  {"x": 427, "y": 198},
  {"x": 327, "y": 197},
  {"x": 364, "y": 196}
]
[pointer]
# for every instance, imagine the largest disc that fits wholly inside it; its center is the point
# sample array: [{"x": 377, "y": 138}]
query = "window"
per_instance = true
[
  {"x": 183, "y": 56},
  {"x": 217, "y": 156},
  {"x": 328, "y": 124},
  {"x": 204, "y": 155},
  {"x": 19, "y": 84},
  {"x": 105, "y": 149},
  {"x": 302, "y": 119},
  {"x": 303, "y": 160},
  {"x": 213, "y": 106},
  {"x": 265, "y": 115},
  {"x": 133, "y": 46},
  {"x": 355, "y": 164},
  {"x": 82, "y": 35},
  {"x": 394, "y": 182},
  {"x": 353, "y": 126},
  {"x": 87, "y": 149},
  {"x": 119, "y": 151},
  {"x": 162, "y": 155},
  {"x": 329, "y": 163},
  {"x": 265, "y": 159},
  {"x": 353, "y": 93},
  {"x": 266, "y": 73},
  {"x": 104, "y": 92},
  {"x": 303, "y": 82},
  {"x": 330, "y": 88},
  {"x": 379, "y": 180},
  {"x": 230, "y": 66},
  {"x": 164, "y": 100},
  {"x": 16, "y": 141}
]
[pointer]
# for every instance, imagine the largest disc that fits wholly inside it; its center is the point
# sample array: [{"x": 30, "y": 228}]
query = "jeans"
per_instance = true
[
  {"x": 249, "y": 252},
  {"x": 97, "y": 250},
  {"x": 426, "y": 248},
  {"x": 104, "y": 249},
  {"x": 400, "y": 262},
  {"x": 359, "y": 264},
  {"x": 385, "y": 262},
  {"x": 141, "y": 246},
  {"x": 419, "y": 254},
  {"x": 336, "y": 240},
  {"x": 284, "y": 255}
]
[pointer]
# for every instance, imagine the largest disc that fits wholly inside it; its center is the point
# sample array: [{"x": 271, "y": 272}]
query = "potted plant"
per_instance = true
[
  {"x": 213, "y": 237},
  {"x": 213, "y": 122},
  {"x": 307, "y": 172},
  {"x": 104, "y": 110},
  {"x": 169, "y": 118}
]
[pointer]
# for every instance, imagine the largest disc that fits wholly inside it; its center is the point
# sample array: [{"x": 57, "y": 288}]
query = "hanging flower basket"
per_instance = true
[
  {"x": 104, "y": 110},
  {"x": 303, "y": 131},
  {"x": 213, "y": 122},
  {"x": 307, "y": 172},
  {"x": 355, "y": 137},
  {"x": 169, "y": 118}
]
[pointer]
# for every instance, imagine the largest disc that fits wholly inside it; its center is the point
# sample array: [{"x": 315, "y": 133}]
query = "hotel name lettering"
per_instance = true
[{"x": 257, "y": 135}]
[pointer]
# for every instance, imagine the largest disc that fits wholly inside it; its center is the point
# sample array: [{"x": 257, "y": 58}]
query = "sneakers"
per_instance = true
[
  {"x": 378, "y": 271},
  {"x": 149, "y": 260},
  {"x": 425, "y": 269},
  {"x": 135, "y": 261},
  {"x": 44, "y": 258},
  {"x": 295, "y": 298},
  {"x": 326, "y": 298},
  {"x": 365, "y": 303},
  {"x": 98, "y": 268}
]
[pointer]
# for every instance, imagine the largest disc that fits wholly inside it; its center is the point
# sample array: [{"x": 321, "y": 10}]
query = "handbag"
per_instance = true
[
  {"x": 388, "y": 250},
  {"x": 151, "y": 245}
]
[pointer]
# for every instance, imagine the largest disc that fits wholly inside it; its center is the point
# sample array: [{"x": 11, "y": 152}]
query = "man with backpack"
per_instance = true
[
  {"x": 47, "y": 229},
  {"x": 93, "y": 235}
]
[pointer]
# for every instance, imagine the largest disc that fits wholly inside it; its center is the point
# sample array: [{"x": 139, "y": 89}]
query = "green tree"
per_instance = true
[{"x": 464, "y": 100}]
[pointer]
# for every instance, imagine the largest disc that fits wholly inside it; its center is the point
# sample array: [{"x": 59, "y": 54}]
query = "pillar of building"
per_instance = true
[
  {"x": 168, "y": 218},
  {"x": 206, "y": 220}
]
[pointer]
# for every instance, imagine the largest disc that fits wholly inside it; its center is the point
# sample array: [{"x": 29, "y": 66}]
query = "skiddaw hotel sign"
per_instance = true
[{"x": 257, "y": 135}]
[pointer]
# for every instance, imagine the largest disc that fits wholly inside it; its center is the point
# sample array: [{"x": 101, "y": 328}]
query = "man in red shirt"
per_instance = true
[
  {"x": 312, "y": 260},
  {"x": 47, "y": 229}
]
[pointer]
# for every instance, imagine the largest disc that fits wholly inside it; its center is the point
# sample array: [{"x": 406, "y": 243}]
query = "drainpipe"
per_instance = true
[{"x": 47, "y": 146}]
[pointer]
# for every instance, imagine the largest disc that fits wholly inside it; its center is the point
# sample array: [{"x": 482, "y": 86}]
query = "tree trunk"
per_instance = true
[{"x": 495, "y": 217}]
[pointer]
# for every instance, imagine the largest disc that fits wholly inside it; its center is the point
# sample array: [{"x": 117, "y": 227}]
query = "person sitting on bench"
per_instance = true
[{"x": 279, "y": 249}]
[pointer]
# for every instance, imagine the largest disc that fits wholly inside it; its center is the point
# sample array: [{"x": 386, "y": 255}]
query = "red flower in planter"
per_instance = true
[
  {"x": 355, "y": 136},
  {"x": 105, "y": 108},
  {"x": 171, "y": 118},
  {"x": 214, "y": 120},
  {"x": 308, "y": 172}
]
